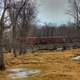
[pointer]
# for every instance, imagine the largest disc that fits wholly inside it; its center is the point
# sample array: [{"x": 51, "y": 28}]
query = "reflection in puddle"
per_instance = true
[{"x": 22, "y": 73}]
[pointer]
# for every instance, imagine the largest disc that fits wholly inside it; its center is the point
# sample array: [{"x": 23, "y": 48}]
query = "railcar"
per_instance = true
[{"x": 44, "y": 42}]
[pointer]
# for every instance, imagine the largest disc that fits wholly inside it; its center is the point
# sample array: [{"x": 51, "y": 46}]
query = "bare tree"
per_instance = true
[
  {"x": 21, "y": 14},
  {"x": 3, "y": 9},
  {"x": 14, "y": 11},
  {"x": 26, "y": 18},
  {"x": 75, "y": 11}
]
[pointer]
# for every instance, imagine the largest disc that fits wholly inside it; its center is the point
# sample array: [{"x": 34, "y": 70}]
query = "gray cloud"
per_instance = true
[{"x": 53, "y": 9}]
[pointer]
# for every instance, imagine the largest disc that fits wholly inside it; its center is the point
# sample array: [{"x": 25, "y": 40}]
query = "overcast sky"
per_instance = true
[{"x": 53, "y": 11}]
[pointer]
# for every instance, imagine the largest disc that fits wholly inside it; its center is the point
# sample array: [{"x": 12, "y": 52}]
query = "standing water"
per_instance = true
[{"x": 22, "y": 73}]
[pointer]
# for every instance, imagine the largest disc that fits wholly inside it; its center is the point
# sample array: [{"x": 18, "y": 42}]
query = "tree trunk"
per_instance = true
[
  {"x": 2, "y": 64},
  {"x": 14, "y": 39}
]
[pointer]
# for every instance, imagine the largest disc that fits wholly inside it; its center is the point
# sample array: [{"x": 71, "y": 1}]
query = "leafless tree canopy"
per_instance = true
[
  {"x": 75, "y": 11},
  {"x": 18, "y": 14}
]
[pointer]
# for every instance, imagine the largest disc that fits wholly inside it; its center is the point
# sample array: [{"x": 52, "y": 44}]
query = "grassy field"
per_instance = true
[{"x": 54, "y": 65}]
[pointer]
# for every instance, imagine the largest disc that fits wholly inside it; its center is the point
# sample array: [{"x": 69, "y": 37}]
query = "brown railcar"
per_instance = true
[{"x": 43, "y": 40}]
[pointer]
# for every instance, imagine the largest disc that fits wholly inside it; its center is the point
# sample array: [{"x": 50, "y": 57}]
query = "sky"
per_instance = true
[{"x": 53, "y": 11}]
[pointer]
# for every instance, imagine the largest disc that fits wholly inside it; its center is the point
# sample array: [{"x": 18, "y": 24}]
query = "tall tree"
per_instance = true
[
  {"x": 75, "y": 11},
  {"x": 21, "y": 14},
  {"x": 14, "y": 11},
  {"x": 3, "y": 9},
  {"x": 27, "y": 16}
]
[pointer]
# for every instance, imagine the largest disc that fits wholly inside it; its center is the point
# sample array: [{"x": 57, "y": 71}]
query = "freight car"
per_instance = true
[
  {"x": 38, "y": 43},
  {"x": 44, "y": 42},
  {"x": 51, "y": 42}
]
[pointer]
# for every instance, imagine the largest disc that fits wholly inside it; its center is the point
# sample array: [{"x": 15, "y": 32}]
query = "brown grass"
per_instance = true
[{"x": 53, "y": 65}]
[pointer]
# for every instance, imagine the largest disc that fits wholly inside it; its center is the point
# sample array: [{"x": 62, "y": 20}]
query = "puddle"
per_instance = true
[
  {"x": 76, "y": 58},
  {"x": 22, "y": 73}
]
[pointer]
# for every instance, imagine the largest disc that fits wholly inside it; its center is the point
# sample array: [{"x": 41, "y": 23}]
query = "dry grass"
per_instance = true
[{"x": 54, "y": 65}]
